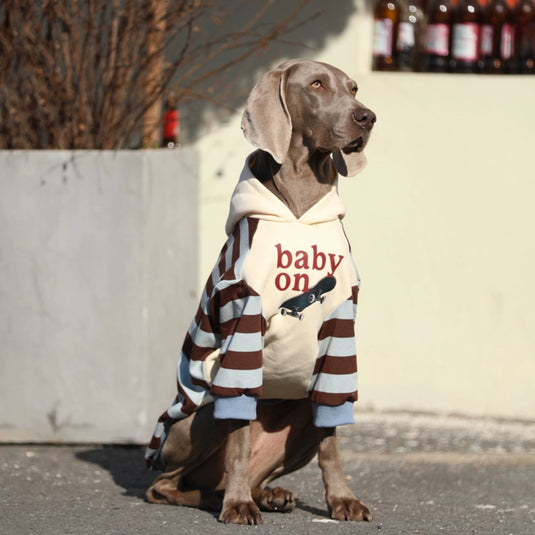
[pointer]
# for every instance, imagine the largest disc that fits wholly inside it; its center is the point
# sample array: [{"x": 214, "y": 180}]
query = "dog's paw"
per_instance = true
[
  {"x": 277, "y": 499},
  {"x": 349, "y": 509},
  {"x": 241, "y": 513}
]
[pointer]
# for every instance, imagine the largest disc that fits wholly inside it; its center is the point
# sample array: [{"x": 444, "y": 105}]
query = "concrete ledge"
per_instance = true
[{"x": 98, "y": 282}]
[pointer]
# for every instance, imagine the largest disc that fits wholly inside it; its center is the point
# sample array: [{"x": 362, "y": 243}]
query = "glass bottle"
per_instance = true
[
  {"x": 437, "y": 36},
  {"x": 525, "y": 37},
  {"x": 466, "y": 30},
  {"x": 497, "y": 36},
  {"x": 386, "y": 20},
  {"x": 409, "y": 38}
]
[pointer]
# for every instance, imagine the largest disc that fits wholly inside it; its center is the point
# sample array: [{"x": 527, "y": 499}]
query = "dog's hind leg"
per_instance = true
[
  {"x": 276, "y": 499},
  {"x": 194, "y": 447},
  {"x": 166, "y": 489}
]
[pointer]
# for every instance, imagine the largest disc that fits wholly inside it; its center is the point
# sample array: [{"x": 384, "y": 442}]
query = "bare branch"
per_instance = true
[{"x": 92, "y": 74}]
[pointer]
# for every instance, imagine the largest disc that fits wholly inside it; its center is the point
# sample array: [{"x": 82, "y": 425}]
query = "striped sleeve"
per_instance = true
[
  {"x": 242, "y": 329},
  {"x": 334, "y": 381},
  {"x": 229, "y": 321}
]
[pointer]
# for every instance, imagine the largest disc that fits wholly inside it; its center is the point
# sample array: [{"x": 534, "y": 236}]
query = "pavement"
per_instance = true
[{"x": 418, "y": 473}]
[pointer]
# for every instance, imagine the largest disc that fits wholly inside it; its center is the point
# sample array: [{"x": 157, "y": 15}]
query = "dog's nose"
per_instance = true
[{"x": 365, "y": 118}]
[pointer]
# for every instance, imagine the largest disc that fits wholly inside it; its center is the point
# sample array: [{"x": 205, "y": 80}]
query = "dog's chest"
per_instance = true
[
  {"x": 302, "y": 273},
  {"x": 287, "y": 260}
]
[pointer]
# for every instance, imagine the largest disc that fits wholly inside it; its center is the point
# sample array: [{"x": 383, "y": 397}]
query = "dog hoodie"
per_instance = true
[{"x": 276, "y": 318}]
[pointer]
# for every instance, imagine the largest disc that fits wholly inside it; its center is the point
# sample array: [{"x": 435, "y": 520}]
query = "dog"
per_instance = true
[{"x": 268, "y": 367}]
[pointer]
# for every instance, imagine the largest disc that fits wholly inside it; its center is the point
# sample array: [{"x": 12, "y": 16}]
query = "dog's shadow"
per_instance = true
[{"x": 125, "y": 464}]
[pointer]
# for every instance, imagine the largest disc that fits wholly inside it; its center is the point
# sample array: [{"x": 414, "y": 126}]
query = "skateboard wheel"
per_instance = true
[{"x": 284, "y": 312}]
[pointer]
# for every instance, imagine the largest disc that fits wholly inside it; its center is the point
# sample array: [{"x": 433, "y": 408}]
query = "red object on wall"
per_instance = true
[{"x": 171, "y": 121}]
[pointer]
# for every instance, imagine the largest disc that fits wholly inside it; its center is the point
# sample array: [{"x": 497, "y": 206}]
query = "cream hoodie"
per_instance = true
[{"x": 276, "y": 319}]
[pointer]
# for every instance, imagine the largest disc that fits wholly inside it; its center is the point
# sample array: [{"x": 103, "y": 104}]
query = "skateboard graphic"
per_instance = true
[{"x": 295, "y": 306}]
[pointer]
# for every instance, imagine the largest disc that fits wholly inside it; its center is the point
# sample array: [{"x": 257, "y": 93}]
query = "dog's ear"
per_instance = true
[
  {"x": 266, "y": 122},
  {"x": 349, "y": 164}
]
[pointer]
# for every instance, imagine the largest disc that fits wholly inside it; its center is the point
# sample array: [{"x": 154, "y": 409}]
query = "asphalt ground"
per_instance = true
[{"x": 419, "y": 474}]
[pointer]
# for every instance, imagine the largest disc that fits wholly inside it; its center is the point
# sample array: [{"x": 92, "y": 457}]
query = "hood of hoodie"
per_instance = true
[{"x": 252, "y": 199}]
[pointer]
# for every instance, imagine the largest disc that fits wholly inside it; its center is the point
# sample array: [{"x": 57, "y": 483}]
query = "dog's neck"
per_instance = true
[{"x": 300, "y": 181}]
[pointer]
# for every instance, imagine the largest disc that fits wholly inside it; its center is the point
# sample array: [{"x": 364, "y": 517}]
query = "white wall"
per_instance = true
[
  {"x": 98, "y": 280},
  {"x": 441, "y": 225}
]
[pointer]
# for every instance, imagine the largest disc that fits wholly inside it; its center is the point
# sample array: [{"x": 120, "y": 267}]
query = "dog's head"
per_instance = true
[{"x": 312, "y": 100}]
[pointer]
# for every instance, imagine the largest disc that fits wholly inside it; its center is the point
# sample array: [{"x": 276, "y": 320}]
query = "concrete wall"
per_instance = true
[
  {"x": 441, "y": 223},
  {"x": 98, "y": 281}
]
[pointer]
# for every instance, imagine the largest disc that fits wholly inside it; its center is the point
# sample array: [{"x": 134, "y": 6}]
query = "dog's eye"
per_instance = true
[
  {"x": 354, "y": 90},
  {"x": 316, "y": 84}
]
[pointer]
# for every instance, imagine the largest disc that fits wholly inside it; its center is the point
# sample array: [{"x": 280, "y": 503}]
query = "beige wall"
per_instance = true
[{"x": 441, "y": 224}]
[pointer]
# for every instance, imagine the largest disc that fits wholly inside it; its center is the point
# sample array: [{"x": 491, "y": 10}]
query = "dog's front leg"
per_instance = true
[
  {"x": 341, "y": 501},
  {"x": 238, "y": 504}
]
